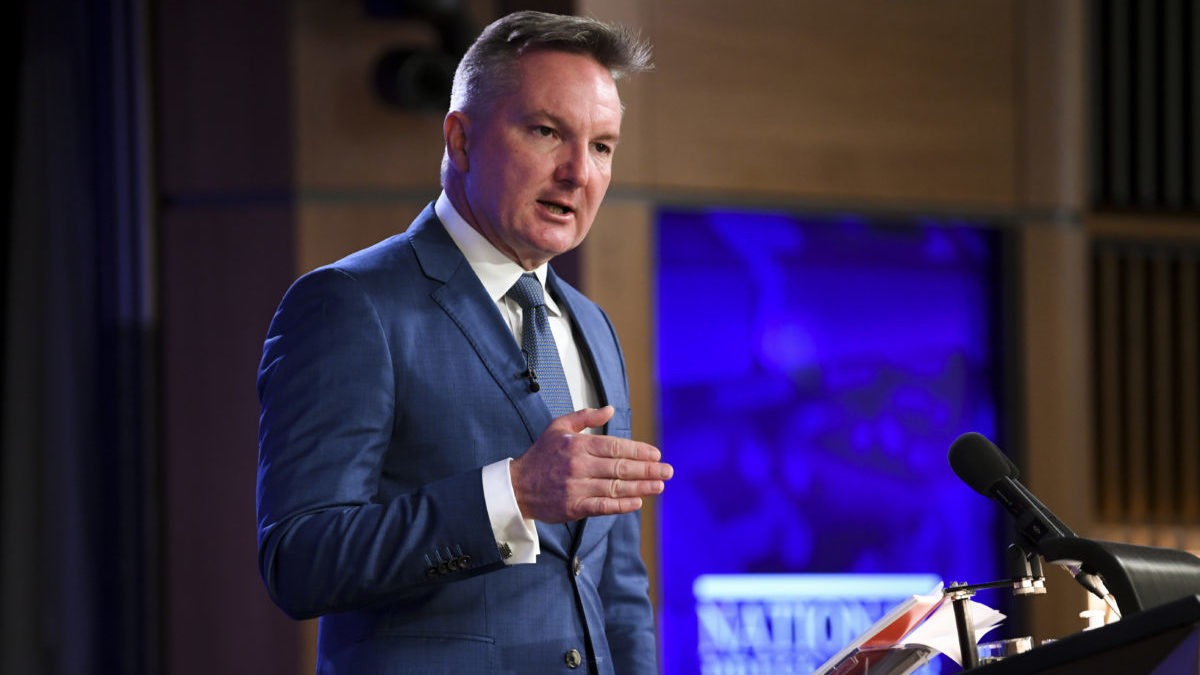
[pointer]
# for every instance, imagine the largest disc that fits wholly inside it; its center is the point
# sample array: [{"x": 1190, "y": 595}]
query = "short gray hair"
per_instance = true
[{"x": 488, "y": 69}]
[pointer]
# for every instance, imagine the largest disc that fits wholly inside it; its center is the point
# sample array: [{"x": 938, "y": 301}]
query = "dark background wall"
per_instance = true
[{"x": 225, "y": 220}]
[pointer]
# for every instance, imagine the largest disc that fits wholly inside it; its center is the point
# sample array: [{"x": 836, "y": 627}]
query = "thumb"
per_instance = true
[{"x": 583, "y": 419}]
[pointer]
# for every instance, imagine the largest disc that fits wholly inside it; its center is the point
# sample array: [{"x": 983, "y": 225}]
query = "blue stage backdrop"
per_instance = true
[{"x": 813, "y": 372}]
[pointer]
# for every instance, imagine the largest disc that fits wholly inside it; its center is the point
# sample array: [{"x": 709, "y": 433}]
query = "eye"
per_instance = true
[
  {"x": 602, "y": 148},
  {"x": 543, "y": 131}
]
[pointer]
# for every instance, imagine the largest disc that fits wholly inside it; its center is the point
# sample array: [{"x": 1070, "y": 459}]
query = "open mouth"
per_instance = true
[{"x": 556, "y": 209}]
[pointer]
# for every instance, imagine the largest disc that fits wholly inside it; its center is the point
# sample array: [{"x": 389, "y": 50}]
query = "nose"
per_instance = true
[{"x": 574, "y": 165}]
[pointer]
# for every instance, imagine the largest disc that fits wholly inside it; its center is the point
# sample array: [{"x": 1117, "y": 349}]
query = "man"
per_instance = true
[{"x": 415, "y": 489}]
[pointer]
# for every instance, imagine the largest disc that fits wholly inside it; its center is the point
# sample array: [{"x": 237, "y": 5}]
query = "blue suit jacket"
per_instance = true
[{"x": 388, "y": 380}]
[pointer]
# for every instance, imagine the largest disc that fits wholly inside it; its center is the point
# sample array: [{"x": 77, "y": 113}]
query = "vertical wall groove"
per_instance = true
[
  {"x": 1145, "y": 162},
  {"x": 1109, "y": 383},
  {"x": 1163, "y": 465},
  {"x": 1146, "y": 334},
  {"x": 1188, "y": 310},
  {"x": 1146, "y": 76},
  {"x": 1134, "y": 364}
]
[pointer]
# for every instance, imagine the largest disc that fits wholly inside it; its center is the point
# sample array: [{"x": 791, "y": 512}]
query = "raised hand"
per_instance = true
[{"x": 567, "y": 475}]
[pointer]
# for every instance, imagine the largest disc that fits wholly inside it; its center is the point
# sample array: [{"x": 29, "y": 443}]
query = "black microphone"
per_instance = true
[{"x": 981, "y": 465}]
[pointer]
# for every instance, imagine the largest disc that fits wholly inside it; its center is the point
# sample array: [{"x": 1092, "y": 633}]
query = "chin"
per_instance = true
[{"x": 560, "y": 242}]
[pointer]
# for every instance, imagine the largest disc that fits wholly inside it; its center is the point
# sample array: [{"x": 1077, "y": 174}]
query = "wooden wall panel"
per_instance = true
[
  {"x": 1054, "y": 403},
  {"x": 1145, "y": 302},
  {"x": 1107, "y": 468},
  {"x": 346, "y": 138},
  {"x": 329, "y": 230},
  {"x": 1051, "y": 105},
  {"x": 223, "y": 121},
  {"x": 225, "y": 229},
  {"x": 904, "y": 103},
  {"x": 224, "y": 270},
  {"x": 1133, "y": 364},
  {"x": 853, "y": 101},
  {"x": 1054, "y": 455},
  {"x": 1188, "y": 311}
]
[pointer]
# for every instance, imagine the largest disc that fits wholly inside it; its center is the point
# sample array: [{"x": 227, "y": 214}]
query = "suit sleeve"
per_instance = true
[{"x": 327, "y": 541}]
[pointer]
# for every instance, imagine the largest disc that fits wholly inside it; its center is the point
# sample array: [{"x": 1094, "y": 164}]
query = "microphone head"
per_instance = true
[{"x": 979, "y": 463}]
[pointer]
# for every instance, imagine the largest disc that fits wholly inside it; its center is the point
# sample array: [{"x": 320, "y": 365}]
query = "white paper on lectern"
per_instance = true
[{"x": 940, "y": 631}]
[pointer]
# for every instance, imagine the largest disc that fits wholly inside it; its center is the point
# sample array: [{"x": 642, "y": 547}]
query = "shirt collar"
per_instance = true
[{"x": 495, "y": 270}]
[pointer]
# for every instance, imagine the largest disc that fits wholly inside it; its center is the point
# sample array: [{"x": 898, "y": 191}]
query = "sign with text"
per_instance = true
[
  {"x": 813, "y": 371},
  {"x": 790, "y": 623}
]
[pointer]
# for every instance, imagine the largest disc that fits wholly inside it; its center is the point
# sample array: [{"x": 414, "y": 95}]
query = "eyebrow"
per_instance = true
[{"x": 559, "y": 122}]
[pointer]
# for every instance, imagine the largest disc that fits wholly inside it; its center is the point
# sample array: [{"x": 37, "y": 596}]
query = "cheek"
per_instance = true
[
  {"x": 506, "y": 166},
  {"x": 596, "y": 191},
  {"x": 603, "y": 176}
]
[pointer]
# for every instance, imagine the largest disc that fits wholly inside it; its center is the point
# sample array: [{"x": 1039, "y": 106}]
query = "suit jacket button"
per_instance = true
[
  {"x": 576, "y": 565},
  {"x": 572, "y": 658}
]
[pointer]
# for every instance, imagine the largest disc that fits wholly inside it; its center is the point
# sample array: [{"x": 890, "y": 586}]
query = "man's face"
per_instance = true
[{"x": 540, "y": 160}]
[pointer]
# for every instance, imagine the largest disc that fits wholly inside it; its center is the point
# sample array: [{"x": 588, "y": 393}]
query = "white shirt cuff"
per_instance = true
[{"x": 516, "y": 537}]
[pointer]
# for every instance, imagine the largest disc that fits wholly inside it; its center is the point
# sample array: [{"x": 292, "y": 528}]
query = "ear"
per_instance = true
[{"x": 454, "y": 130}]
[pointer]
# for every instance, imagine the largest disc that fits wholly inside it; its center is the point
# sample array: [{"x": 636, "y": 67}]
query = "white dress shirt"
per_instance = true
[{"x": 498, "y": 274}]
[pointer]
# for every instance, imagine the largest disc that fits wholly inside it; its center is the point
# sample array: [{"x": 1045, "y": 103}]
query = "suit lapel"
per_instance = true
[
  {"x": 590, "y": 330},
  {"x": 593, "y": 336},
  {"x": 465, "y": 301}
]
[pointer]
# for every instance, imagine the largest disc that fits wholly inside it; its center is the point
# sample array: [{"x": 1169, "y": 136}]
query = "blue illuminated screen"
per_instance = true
[{"x": 813, "y": 372}]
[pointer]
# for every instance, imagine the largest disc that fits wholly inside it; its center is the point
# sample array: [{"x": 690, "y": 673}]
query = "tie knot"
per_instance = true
[{"x": 527, "y": 292}]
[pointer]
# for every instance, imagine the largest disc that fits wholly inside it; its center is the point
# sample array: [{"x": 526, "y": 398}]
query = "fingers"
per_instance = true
[
  {"x": 624, "y": 462},
  {"x": 628, "y": 469},
  {"x": 644, "y": 458},
  {"x": 566, "y": 475},
  {"x": 579, "y": 420},
  {"x": 623, "y": 496},
  {"x": 604, "y": 506},
  {"x": 617, "y": 488},
  {"x": 610, "y": 496},
  {"x": 620, "y": 448}
]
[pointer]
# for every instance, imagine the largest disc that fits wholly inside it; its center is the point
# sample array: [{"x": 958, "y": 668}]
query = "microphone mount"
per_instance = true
[{"x": 530, "y": 373}]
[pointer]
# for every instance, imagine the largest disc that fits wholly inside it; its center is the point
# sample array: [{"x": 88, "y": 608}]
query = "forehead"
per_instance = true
[{"x": 560, "y": 81}]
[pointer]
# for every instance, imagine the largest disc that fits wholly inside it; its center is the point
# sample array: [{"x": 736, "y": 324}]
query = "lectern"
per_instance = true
[
  {"x": 1163, "y": 640},
  {"x": 1158, "y": 592},
  {"x": 1139, "y": 577}
]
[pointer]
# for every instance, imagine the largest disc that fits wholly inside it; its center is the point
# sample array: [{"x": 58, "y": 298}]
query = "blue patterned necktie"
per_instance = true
[{"x": 537, "y": 343}]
